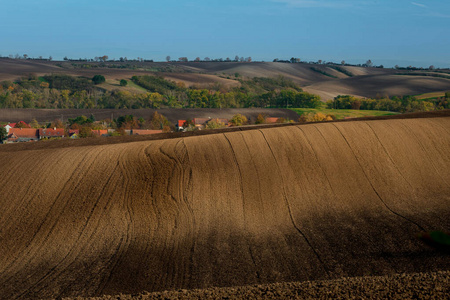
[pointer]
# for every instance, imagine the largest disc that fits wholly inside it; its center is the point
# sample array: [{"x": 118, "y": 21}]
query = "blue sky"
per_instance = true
[{"x": 386, "y": 31}]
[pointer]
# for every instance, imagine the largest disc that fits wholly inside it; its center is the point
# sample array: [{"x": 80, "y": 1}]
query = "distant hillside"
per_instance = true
[{"x": 327, "y": 81}]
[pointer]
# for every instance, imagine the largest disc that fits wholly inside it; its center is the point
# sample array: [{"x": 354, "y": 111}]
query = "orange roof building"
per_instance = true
[
  {"x": 100, "y": 132},
  {"x": 271, "y": 120},
  {"x": 51, "y": 133},
  {"x": 23, "y": 135},
  {"x": 201, "y": 121}
]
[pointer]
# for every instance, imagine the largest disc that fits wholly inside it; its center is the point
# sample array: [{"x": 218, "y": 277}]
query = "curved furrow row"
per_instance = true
[{"x": 39, "y": 219}]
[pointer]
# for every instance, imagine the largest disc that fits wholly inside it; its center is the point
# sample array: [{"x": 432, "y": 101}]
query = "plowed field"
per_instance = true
[{"x": 282, "y": 204}]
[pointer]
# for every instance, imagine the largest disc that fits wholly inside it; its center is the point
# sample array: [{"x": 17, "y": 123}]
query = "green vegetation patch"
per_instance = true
[
  {"x": 342, "y": 70},
  {"x": 322, "y": 72},
  {"x": 344, "y": 113},
  {"x": 430, "y": 96},
  {"x": 155, "y": 84}
]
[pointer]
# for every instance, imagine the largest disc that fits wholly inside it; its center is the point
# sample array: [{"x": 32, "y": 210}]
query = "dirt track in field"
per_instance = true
[{"x": 293, "y": 203}]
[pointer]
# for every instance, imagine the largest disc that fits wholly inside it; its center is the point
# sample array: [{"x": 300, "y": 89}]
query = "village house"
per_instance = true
[
  {"x": 270, "y": 120},
  {"x": 180, "y": 125},
  {"x": 47, "y": 133},
  {"x": 22, "y": 135},
  {"x": 201, "y": 122},
  {"x": 100, "y": 132},
  {"x": 9, "y": 126},
  {"x": 74, "y": 133},
  {"x": 20, "y": 124}
]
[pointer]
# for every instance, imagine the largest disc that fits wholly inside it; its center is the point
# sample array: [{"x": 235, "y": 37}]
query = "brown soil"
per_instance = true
[
  {"x": 269, "y": 205},
  {"x": 433, "y": 285},
  {"x": 382, "y": 85}
]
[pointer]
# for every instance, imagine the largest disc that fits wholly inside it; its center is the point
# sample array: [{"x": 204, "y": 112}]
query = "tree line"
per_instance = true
[
  {"x": 63, "y": 91},
  {"x": 396, "y": 104}
]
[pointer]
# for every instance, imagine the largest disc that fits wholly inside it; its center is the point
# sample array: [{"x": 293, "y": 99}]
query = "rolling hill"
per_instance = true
[
  {"x": 289, "y": 203},
  {"x": 327, "y": 81}
]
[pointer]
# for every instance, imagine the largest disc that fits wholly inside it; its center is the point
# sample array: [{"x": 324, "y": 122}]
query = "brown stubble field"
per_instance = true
[{"x": 290, "y": 203}]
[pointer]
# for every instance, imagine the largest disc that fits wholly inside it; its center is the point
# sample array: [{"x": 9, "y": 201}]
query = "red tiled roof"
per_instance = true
[
  {"x": 271, "y": 120},
  {"x": 201, "y": 121},
  {"x": 11, "y": 125},
  {"x": 72, "y": 131},
  {"x": 23, "y": 132},
  {"x": 145, "y": 131},
  {"x": 181, "y": 123},
  {"x": 100, "y": 132},
  {"x": 50, "y": 132}
]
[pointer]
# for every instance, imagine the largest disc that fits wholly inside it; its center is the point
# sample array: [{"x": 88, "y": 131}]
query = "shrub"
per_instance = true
[
  {"x": 238, "y": 120},
  {"x": 215, "y": 124},
  {"x": 97, "y": 79}
]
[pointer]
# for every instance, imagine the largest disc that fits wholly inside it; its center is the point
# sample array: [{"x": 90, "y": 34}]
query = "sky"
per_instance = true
[{"x": 388, "y": 32}]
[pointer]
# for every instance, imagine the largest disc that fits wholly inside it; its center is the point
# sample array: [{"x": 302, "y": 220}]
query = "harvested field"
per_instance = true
[
  {"x": 269, "y": 205},
  {"x": 384, "y": 85}
]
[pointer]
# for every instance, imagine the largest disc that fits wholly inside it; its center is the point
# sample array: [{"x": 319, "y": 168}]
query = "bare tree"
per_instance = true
[{"x": 168, "y": 58}]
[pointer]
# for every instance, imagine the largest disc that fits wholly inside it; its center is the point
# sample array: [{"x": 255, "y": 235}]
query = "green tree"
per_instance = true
[
  {"x": 97, "y": 79},
  {"x": 123, "y": 82},
  {"x": 3, "y": 133},
  {"x": 215, "y": 124},
  {"x": 238, "y": 120}
]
